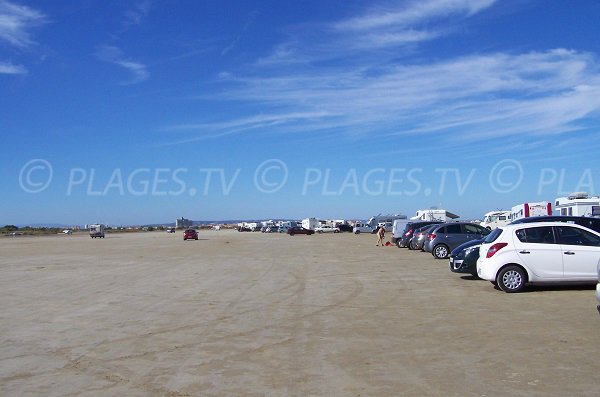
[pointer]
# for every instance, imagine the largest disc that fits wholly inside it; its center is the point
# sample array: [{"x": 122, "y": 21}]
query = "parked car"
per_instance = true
[
  {"x": 542, "y": 252},
  {"x": 409, "y": 230},
  {"x": 419, "y": 237},
  {"x": 598, "y": 286},
  {"x": 344, "y": 227},
  {"x": 190, "y": 234},
  {"x": 299, "y": 230},
  {"x": 463, "y": 259},
  {"x": 362, "y": 227},
  {"x": 443, "y": 238},
  {"x": 327, "y": 229},
  {"x": 170, "y": 230},
  {"x": 585, "y": 221}
]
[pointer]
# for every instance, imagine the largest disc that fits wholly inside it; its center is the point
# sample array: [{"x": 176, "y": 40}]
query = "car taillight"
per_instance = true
[
  {"x": 431, "y": 236},
  {"x": 495, "y": 248},
  {"x": 408, "y": 233}
]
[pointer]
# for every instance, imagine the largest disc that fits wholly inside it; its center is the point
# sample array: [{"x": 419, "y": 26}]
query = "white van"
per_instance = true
[
  {"x": 362, "y": 227},
  {"x": 398, "y": 229}
]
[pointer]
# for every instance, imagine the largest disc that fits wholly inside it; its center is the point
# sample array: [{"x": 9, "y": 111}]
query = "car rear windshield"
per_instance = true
[{"x": 490, "y": 238}]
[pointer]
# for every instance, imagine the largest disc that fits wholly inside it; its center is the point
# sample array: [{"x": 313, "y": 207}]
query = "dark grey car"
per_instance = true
[
  {"x": 419, "y": 237},
  {"x": 445, "y": 237}
]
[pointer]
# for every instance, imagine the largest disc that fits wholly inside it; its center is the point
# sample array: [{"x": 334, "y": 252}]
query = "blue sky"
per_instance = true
[{"x": 132, "y": 112}]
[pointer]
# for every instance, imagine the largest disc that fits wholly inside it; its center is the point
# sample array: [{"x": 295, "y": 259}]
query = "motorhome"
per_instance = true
[
  {"x": 434, "y": 214},
  {"x": 386, "y": 220},
  {"x": 96, "y": 230},
  {"x": 578, "y": 204},
  {"x": 310, "y": 223},
  {"x": 493, "y": 219},
  {"x": 526, "y": 210}
]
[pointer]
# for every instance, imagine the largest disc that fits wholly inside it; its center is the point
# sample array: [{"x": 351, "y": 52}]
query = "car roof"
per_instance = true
[
  {"x": 553, "y": 218},
  {"x": 513, "y": 226}
]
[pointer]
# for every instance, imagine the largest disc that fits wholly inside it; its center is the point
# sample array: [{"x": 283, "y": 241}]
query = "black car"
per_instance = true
[
  {"x": 344, "y": 227},
  {"x": 409, "y": 230},
  {"x": 299, "y": 230},
  {"x": 463, "y": 259},
  {"x": 585, "y": 221}
]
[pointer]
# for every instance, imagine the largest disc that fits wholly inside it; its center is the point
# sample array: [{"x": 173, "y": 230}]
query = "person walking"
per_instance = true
[{"x": 380, "y": 236}]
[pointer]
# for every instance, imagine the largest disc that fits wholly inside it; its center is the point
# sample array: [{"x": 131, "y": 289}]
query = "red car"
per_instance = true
[
  {"x": 299, "y": 230},
  {"x": 190, "y": 234}
]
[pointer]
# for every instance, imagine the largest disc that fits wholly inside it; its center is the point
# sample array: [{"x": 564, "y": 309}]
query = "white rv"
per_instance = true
[
  {"x": 578, "y": 204},
  {"x": 310, "y": 223},
  {"x": 435, "y": 215},
  {"x": 492, "y": 220},
  {"x": 526, "y": 210},
  {"x": 384, "y": 220},
  {"x": 96, "y": 230}
]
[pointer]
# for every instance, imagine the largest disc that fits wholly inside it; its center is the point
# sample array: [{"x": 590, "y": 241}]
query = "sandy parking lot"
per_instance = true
[{"x": 251, "y": 314}]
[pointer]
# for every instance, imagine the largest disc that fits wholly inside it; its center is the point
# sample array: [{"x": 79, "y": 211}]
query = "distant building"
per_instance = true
[{"x": 182, "y": 223}]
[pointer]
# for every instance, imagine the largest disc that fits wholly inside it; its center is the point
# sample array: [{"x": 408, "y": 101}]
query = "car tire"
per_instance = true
[
  {"x": 410, "y": 246},
  {"x": 357, "y": 232},
  {"x": 440, "y": 251},
  {"x": 511, "y": 279},
  {"x": 320, "y": 232},
  {"x": 398, "y": 244}
]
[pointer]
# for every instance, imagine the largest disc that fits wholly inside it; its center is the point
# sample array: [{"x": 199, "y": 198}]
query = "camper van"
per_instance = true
[
  {"x": 525, "y": 210},
  {"x": 434, "y": 214},
  {"x": 96, "y": 230},
  {"x": 362, "y": 227},
  {"x": 578, "y": 204},
  {"x": 492, "y": 220}
]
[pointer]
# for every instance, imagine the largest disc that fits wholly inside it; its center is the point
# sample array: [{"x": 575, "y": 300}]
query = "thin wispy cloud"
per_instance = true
[
  {"x": 463, "y": 99},
  {"x": 114, "y": 55},
  {"x": 16, "y": 23},
  {"x": 470, "y": 98},
  {"x": 414, "y": 13},
  {"x": 9, "y": 68},
  {"x": 138, "y": 11},
  {"x": 251, "y": 17}
]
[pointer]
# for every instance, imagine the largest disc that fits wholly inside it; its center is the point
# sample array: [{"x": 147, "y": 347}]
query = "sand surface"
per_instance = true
[{"x": 251, "y": 314}]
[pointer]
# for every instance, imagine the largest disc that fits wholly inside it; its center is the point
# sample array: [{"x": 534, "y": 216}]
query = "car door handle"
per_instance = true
[
  {"x": 524, "y": 252},
  {"x": 569, "y": 253}
]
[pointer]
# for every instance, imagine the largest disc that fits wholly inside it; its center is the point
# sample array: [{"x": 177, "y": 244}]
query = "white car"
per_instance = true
[
  {"x": 327, "y": 229},
  {"x": 598, "y": 286},
  {"x": 544, "y": 252}
]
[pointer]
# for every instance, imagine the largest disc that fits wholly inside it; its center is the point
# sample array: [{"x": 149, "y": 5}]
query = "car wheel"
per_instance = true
[
  {"x": 398, "y": 244},
  {"x": 511, "y": 279},
  {"x": 440, "y": 251},
  {"x": 410, "y": 246},
  {"x": 320, "y": 232},
  {"x": 357, "y": 232}
]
